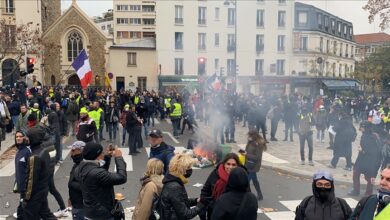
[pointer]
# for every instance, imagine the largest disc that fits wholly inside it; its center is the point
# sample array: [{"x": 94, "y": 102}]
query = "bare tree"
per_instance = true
[{"x": 379, "y": 8}]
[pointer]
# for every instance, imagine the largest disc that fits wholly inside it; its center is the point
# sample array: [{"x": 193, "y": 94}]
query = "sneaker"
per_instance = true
[
  {"x": 15, "y": 215},
  {"x": 61, "y": 213},
  {"x": 311, "y": 163},
  {"x": 302, "y": 162},
  {"x": 61, "y": 161},
  {"x": 331, "y": 166}
]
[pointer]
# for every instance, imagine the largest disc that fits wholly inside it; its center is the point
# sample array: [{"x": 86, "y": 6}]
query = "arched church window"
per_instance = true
[{"x": 75, "y": 45}]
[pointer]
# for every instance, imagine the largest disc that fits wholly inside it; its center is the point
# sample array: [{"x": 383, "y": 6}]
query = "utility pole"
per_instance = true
[{"x": 25, "y": 57}]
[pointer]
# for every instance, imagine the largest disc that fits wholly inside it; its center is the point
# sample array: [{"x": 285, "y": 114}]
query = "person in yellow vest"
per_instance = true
[
  {"x": 96, "y": 116},
  {"x": 376, "y": 206},
  {"x": 35, "y": 110},
  {"x": 167, "y": 105},
  {"x": 306, "y": 121},
  {"x": 175, "y": 116}
]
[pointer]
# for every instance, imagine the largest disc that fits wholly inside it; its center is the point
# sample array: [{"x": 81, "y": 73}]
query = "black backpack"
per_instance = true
[
  {"x": 156, "y": 211},
  {"x": 300, "y": 210}
]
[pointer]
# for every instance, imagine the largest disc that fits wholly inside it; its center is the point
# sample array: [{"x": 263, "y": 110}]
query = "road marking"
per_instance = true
[
  {"x": 64, "y": 155},
  {"x": 267, "y": 157},
  {"x": 285, "y": 215},
  {"x": 127, "y": 158},
  {"x": 171, "y": 136}
]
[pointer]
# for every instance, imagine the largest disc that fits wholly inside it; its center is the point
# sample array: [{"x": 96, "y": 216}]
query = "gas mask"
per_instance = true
[{"x": 383, "y": 197}]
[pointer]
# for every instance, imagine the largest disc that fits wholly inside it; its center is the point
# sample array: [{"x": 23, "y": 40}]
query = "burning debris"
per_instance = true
[{"x": 207, "y": 154}]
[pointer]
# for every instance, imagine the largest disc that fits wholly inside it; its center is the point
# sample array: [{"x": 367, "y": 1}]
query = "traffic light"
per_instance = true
[
  {"x": 201, "y": 65},
  {"x": 30, "y": 65}
]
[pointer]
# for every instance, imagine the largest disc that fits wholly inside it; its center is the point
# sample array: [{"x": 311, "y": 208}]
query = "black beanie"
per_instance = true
[
  {"x": 92, "y": 151},
  {"x": 35, "y": 135}
]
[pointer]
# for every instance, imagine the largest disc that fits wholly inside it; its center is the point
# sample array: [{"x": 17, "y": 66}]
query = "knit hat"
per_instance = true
[
  {"x": 31, "y": 117},
  {"x": 77, "y": 145},
  {"x": 92, "y": 151}
]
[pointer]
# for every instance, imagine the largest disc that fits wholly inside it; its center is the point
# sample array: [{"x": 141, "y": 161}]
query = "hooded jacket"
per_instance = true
[
  {"x": 175, "y": 202},
  {"x": 150, "y": 186},
  {"x": 97, "y": 185},
  {"x": 74, "y": 186},
  {"x": 331, "y": 209},
  {"x": 21, "y": 167},
  {"x": 164, "y": 153},
  {"x": 229, "y": 204},
  {"x": 38, "y": 175}
]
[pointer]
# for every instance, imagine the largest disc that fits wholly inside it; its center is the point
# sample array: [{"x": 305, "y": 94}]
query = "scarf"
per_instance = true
[{"x": 221, "y": 183}]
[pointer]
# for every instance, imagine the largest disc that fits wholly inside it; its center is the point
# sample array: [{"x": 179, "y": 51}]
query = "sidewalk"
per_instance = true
[
  {"x": 5, "y": 145},
  {"x": 284, "y": 156}
]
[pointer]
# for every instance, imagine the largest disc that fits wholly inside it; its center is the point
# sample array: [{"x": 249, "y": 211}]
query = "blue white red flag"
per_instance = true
[{"x": 83, "y": 69}]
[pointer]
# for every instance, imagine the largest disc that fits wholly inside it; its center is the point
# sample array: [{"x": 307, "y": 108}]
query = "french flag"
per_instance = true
[
  {"x": 214, "y": 83},
  {"x": 83, "y": 69}
]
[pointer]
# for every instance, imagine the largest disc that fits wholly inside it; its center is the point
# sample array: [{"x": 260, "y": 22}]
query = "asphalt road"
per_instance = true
[{"x": 282, "y": 191}]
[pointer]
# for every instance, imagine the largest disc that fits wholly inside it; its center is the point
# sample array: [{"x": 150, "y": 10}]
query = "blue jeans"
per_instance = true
[
  {"x": 253, "y": 176},
  {"x": 14, "y": 119},
  {"x": 78, "y": 214},
  {"x": 112, "y": 127},
  {"x": 146, "y": 130},
  {"x": 175, "y": 129}
]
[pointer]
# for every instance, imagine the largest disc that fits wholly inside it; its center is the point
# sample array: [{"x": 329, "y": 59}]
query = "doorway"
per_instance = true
[{"x": 120, "y": 83}]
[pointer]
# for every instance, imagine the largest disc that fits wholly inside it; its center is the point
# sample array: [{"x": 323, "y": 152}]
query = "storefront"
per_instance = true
[{"x": 178, "y": 83}]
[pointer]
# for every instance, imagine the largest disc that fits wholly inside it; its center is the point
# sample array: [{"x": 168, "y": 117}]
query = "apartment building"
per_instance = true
[
  {"x": 323, "y": 50},
  {"x": 134, "y": 20},
  {"x": 367, "y": 44},
  {"x": 106, "y": 22},
  {"x": 196, "y": 39},
  {"x": 39, "y": 15}
]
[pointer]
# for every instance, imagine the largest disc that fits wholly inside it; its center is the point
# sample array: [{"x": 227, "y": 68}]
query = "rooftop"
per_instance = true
[
  {"x": 371, "y": 38},
  {"x": 147, "y": 43}
]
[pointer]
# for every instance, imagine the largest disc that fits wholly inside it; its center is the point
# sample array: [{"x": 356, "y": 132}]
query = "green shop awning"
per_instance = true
[{"x": 333, "y": 84}]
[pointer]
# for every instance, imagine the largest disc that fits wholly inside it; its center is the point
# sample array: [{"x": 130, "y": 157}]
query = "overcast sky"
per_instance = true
[{"x": 349, "y": 10}]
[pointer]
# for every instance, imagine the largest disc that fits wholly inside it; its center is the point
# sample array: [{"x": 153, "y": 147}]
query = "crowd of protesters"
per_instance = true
[{"x": 42, "y": 116}]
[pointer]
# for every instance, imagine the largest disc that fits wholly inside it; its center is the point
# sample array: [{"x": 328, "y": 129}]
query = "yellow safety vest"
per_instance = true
[
  {"x": 95, "y": 115},
  {"x": 303, "y": 116},
  {"x": 167, "y": 102},
  {"x": 384, "y": 214},
  {"x": 78, "y": 100},
  {"x": 177, "y": 111},
  {"x": 35, "y": 111},
  {"x": 136, "y": 100}
]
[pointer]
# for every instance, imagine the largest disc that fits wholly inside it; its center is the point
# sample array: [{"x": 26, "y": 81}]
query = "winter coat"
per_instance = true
[
  {"x": 74, "y": 186},
  {"x": 345, "y": 135},
  {"x": 21, "y": 164},
  {"x": 86, "y": 130},
  {"x": 54, "y": 122},
  {"x": 150, "y": 186},
  {"x": 110, "y": 114},
  {"x": 229, "y": 204},
  {"x": 368, "y": 160},
  {"x": 14, "y": 108},
  {"x": 21, "y": 123},
  {"x": 164, "y": 153},
  {"x": 62, "y": 122},
  {"x": 305, "y": 123},
  {"x": 208, "y": 188},
  {"x": 97, "y": 185},
  {"x": 175, "y": 202},
  {"x": 72, "y": 111},
  {"x": 254, "y": 156},
  {"x": 331, "y": 209},
  {"x": 321, "y": 119}
]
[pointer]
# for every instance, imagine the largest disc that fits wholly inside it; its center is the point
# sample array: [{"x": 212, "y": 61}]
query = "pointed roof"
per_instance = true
[{"x": 77, "y": 9}]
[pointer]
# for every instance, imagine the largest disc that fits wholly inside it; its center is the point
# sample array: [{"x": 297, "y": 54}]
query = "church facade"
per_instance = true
[{"x": 63, "y": 41}]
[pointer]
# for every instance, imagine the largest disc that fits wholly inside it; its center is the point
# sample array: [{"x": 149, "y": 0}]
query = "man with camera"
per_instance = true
[
  {"x": 97, "y": 183},
  {"x": 376, "y": 206}
]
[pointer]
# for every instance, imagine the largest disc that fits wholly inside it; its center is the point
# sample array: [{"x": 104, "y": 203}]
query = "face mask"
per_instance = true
[
  {"x": 84, "y": 117},
  {"x": 77, "y": 158},
  {"x": 101, "y": 162},
  {"x": 383, "y": 197},
  {"x": 323, "y": 193},
  {"x": 188, "y": 173}
]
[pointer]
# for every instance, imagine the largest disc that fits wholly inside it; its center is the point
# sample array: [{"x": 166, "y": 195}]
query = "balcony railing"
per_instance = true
[
  {"x": 7, "y": 10},
  {"x": 202, "y": 21},
  {"x": 178, "y": 20}
]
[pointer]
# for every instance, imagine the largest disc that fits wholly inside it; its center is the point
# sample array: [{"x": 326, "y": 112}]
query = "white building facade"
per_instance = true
[
  {"x": 196, "y": 39},
  {"x": 133, "y": 20}
]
